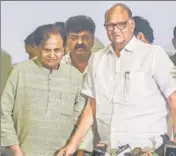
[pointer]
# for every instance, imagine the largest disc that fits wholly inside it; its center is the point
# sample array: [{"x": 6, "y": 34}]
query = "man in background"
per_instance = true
[
  {"x": 80, "y": 32},
  {"x": 80, "y": 40},
  {"x": 143, "y": 31}
]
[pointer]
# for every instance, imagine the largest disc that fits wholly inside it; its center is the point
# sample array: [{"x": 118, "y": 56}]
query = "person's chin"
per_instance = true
[
  {"x": 117, "y": 40},
  {"x": 52, "y": 65},
  {"x": 81, "y": 52}
]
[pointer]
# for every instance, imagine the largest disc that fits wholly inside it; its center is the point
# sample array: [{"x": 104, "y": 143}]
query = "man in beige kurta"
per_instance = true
[
  {"x": 37, "y": 103},
  {"x": 40, "y": 100}
]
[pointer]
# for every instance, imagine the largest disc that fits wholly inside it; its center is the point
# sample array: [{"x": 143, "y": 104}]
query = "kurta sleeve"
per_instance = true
[{"x": 8, "y": 132}]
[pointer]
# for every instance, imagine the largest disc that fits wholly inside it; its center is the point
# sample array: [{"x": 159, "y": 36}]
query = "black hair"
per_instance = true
[
  {"x": 60, "y": 24},
  {"x": 143, "y": 26},
  {"x": 175, "y": 32},
  {"x": 30, "y": 39},
  {"x": 43, "y": 32},
  {"x": 80, "y": 23}
]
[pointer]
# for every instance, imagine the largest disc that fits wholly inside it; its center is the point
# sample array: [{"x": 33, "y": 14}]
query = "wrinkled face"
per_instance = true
[
  {"x": 119, "y": 26},
  {"x": 51, "y": 51},
  {"x": 31, "y": 50},
  {"x": 80, "y": 44}
]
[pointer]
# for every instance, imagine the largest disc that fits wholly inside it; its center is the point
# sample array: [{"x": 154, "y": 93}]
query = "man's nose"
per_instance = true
[
  {"x": 51, "y": 54},
  {"x": 80, "y": 41},
  {"x": 116, "y": 29}
]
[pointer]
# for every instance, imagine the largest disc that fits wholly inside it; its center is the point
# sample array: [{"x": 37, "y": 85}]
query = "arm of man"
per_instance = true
[
  {"x": 87, "y": 142},
  {"x": 9, "y": 137},
  {"x": 172, "y": 103},
  {"x": 162, "y": 68}
]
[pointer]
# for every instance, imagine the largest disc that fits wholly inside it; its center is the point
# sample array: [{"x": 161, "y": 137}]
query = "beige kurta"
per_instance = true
[{"x": 38, "y": 107}]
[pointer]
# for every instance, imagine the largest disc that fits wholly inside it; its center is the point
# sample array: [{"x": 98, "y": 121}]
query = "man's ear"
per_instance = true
[
  {"x": 132, "y": 22},
  {"x": 141, "y": 37}
]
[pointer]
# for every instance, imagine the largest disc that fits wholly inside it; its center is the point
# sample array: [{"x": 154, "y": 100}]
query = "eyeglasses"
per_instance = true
[{"x": 119, "y": 25}]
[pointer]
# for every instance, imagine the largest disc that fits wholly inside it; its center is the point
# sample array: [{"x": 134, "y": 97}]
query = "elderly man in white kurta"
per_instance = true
[{"x": 128, "y": 85}]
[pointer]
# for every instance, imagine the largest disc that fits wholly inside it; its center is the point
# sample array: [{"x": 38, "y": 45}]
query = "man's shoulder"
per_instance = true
[
  {"x": 149, "y": 49},
  {"x": 96, "y": 56},
  {"x": 147, "y": 46},
  {"x": 69, "y": 69},
  {"x": 23, "y": 65}
]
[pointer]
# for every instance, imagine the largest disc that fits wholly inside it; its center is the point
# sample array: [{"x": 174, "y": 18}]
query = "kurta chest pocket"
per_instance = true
[
  {"x": 135, "y": 86},
  {"x": 66, "y": 102}
]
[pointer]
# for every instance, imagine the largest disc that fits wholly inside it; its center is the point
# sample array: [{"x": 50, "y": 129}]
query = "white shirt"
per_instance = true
[{"x": 135, "y": 106}]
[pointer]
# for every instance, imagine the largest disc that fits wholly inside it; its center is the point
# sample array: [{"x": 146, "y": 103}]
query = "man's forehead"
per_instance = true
[
  {"x": 53, "y": 43},
  {"x": 54, "y": 39},
  {"x": 117, "y": 13},
  {"x": 81, "y": 33}
]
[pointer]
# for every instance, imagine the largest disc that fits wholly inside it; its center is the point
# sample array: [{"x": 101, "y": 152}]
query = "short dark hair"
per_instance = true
[
  {"x": 175, "y": 32},
  {"x": 143, "y": 26},
  {"x": 60, "y": 24},
  {"x": 43, "y": 32},
  {"x": 30, "y": 39},
  {"x": 80, "y": 23}
]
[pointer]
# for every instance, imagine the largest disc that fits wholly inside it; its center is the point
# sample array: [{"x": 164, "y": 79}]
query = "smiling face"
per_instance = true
[{"x": 51, "y": 51}]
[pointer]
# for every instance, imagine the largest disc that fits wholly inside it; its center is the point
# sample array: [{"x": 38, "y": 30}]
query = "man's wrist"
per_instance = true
[{"x": 15, "y": 148}]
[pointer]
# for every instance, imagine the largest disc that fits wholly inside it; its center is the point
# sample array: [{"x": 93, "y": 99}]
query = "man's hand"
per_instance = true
[
  {"x": 80, "y": 153},
  {"x": 148, "y": 154},
  {"x": 16, "y": 150},
  {"x": 67, "y": 150},
  {"x": 18, "y": 153}
]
